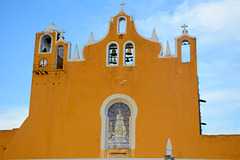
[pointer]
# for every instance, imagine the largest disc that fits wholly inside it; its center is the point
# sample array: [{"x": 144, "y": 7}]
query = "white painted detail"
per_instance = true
[
  {"x": 91, "y": 40},
  {"x": 94, "y": 42},
  {"x": 76, "y": 56},
  {"x": 168, "y": 51},
  {"x": 51, "y": 28},
  {"x": 132, "y": 18},
  {"x": 103, "y": 113},
  {"x": 122, "y": 81},
  {"x": 185, "y": 31},
  {"x": 122, "y": 5},
  {"x": 154, "y": 35},
  {"x": 69, "y": 50},
  {"x": 111, "y": 19},
  {"x": 150, "y": 39},
  {"x": 169, "y": 147},
  {"x": 61, "y": 36}
]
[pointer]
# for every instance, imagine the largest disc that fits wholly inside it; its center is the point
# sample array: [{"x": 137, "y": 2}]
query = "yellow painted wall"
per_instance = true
[
  {"x": 64, "y": 119},
  {"x": 5, "y": 138}
]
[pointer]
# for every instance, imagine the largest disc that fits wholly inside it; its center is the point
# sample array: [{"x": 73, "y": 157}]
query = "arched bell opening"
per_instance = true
[
  {"x": 129, "y": 54},
  {"x": 185, "y": 51},
  {"x": 45, "y": 43},
  {"x": 112, "y": 54},
  {"x": 59, "y": 57},
  {"x": 122, "y": 25}
]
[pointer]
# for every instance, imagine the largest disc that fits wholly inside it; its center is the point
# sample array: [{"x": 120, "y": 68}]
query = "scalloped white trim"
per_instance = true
[
  {"x": 93, "y": 42},
  {"x": 150, "y": 39}
]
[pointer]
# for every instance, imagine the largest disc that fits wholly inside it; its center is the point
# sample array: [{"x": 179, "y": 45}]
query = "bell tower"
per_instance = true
[{"x": 51, "y": 51}]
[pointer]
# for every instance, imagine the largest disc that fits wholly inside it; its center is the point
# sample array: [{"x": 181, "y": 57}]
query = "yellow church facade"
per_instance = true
[{"x": 118, "y": 97}]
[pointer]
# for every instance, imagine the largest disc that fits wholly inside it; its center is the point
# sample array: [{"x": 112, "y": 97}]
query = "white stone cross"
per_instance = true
[
  {"x": 122, "y": 5},
  {"x": 184, "y": 28}
]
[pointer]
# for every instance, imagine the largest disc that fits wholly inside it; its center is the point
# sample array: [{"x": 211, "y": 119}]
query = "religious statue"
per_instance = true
[
  {"x": 120, "y": 130},
  {"x": 118, "y": 126}
]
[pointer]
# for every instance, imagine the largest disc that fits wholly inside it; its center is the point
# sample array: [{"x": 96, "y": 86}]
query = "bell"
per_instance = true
[
  {"x": 127, "y": 60},
  {"x": 114, "y": 53},
  {"x": 111, "y": 61},
  {"x": 114, "y": 62},
  {"x": 129, "y": 52}
]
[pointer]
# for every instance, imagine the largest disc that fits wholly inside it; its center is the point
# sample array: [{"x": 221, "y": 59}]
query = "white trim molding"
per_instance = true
[{"x": 103, "y": 113}]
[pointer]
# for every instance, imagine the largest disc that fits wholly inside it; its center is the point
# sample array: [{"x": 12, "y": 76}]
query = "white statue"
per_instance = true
[{"x": 120, "y": 130}]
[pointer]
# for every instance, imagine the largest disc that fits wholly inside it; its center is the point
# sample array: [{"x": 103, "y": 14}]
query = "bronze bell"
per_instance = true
[
  {"x": 114, "y": 53},
  {"x": 114, "y": 62},
  {"x": 129, "y": 52},
  {"x": 111, "y": 61}
]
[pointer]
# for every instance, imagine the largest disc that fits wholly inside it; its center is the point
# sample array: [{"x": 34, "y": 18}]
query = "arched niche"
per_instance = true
[{"x": 108, "y": 102}]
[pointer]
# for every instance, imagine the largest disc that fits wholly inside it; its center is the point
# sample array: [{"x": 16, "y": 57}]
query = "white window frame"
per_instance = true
[
  {"x": 107, "y": 54},
  {"x": 39, "y": 46},
  {"x": 124, "y": 53}
]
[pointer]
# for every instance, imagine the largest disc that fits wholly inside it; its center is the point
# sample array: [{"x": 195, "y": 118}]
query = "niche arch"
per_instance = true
[{"x": 108, "y": 102}]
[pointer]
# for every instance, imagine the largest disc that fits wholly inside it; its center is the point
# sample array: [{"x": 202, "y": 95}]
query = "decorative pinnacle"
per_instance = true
[
  {"x": 168, "y": 51},
  {"x": 91, "y": 38},
  {"x": 184, "y": 29},
  {"x": 122, "y": 5},
  {"x": 76, "y": 54},
  {"x": 169, "y": 147}
]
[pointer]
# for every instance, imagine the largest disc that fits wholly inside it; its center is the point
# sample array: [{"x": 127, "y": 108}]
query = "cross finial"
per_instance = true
[
  {"x": 61, "y": 37},
  {"x": 122, "y": 5},
  {"x": 184, "y": 28}
]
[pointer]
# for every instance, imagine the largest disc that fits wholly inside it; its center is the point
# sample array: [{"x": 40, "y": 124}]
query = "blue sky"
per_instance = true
[{"x": 215, "y": 23}]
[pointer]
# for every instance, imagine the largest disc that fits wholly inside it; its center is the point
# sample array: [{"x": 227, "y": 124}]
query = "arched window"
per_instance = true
[
  {"x": 112, "y": 58},
  {"x": 129, "y": 54},
  {"x": 45, "y": 43},
  {"x": 118, "y": 125},
  {"x": 59, "y": 57},
  {"x": 122, "y": 25},
  {"x": 185, "y": 51}
]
